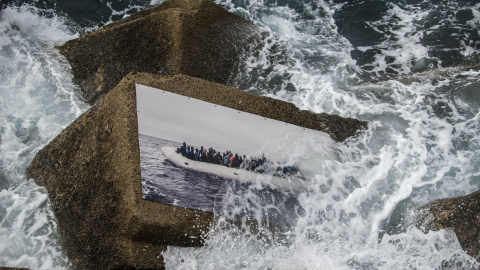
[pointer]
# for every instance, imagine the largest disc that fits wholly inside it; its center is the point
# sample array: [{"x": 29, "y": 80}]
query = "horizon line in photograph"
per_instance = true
[{"x": 180, "y": 118}]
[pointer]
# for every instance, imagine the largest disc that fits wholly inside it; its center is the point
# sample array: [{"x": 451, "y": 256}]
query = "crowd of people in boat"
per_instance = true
[{"x": 228, "y": 159}]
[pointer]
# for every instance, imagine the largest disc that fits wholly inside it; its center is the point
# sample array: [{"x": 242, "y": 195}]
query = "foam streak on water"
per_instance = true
[{"x": 37, "y": 102}]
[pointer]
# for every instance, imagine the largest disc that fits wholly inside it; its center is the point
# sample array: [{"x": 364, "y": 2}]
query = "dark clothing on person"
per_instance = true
[
  {"x": 183, "y": 149},
  {"x": 210, "y": 157},
  {"x": 203, "y": 156},
  {"x": 235, "y": 161},
  {"x": 191, "y": 155},
  {"x": 217, "y": 159}
]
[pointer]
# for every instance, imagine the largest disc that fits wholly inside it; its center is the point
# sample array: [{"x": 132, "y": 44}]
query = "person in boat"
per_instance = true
[
  {"x": 191, "y": 154},
  {"x": 235, "y": 161},
  {"x": 225, "y": 159},
  {"x": 183, "y": 149},
  {"x": 197, "y": 155},
  {"x": 221, "y": 157},
  {"x": 251, "y": 165},
  {"x": 217, "y": 158},
  {"x": 203, "y": 155},
  {"x": 210, "y": 155},
  {"x": 214, "y": 156},
  {"x": 247, "y": 164},
  {"x": 230, "y": 160}
]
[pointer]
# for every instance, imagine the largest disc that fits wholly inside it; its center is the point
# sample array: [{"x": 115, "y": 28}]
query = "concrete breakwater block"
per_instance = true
[
  {"x": 92, "y": 173},
  {"x": 192, "y": 37},
  {"x": 461, "y": 214}
]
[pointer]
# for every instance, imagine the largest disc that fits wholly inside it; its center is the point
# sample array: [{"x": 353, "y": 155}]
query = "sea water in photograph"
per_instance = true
[
  {"x": 165, "y": 182},
  {"x": 408, "y": 67}
]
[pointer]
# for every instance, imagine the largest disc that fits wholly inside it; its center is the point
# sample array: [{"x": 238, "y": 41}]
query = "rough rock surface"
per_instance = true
[
  {"x": 92, "y": 173},
  {"x": 462, "y": 214},
  {"x": 191, "y": 37}
]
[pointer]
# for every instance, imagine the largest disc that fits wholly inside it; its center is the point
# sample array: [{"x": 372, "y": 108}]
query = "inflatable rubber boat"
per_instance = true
[{"x": 287, "y": 183}]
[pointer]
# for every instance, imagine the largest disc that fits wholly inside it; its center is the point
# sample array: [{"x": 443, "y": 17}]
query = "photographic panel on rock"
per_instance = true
[{"x": 167, "y": 120}]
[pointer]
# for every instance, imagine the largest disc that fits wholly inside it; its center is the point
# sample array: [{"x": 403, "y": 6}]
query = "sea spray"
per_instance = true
[{"x": 38, "y": 101}]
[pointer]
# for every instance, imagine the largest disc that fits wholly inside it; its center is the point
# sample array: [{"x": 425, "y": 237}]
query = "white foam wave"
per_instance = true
[
  {"x": 422, "y": 36},
  {"x": 403, "y": 44},
  {"x": 38, "y": 101},
  {"x": 28, "y": 229},
  {"x": 303, "y": 44}
]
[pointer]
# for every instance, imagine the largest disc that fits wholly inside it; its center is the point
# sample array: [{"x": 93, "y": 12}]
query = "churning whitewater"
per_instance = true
[{"x": 403, "y": 66}]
